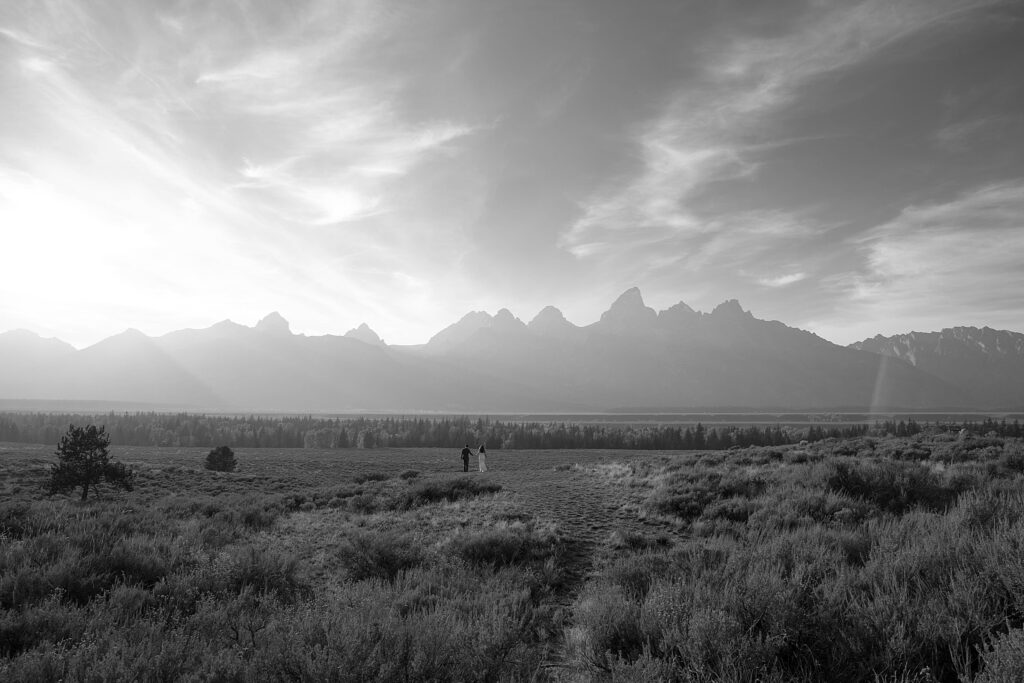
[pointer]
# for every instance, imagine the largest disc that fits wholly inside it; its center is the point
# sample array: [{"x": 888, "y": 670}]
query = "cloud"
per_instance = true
[
  {"x": 973, "y": 241},
  {"x": 202, "y": 158},
  {"x": 22, "y": 38},
  {"x": 936, "y": 265},
  {"x": 962, "y": 135},
  {"x": 710, "y": 129},
  {"x": 341, "y": 142},
  {"x": 782, "y": 280}
]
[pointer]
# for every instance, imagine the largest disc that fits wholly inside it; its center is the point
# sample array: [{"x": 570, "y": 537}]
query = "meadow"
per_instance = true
[{"x": 895, "y": 559}]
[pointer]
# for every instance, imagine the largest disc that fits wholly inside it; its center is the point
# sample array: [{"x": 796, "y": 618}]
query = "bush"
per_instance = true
[
  {"x": 894, "y": 486},
  {"x": 607, "y": 628},
  {"x": 1013, "y": 457},
  {"x": 1004, "y": 661},
  {"x": 438, "y": 491},
  {"x": 503, "y": 547},
  {"x": 687, "y": 495},
  {"x": 378, "y": 556},
  {"x": 221, "y": 459},
  {"x": 370, "y": 476}
]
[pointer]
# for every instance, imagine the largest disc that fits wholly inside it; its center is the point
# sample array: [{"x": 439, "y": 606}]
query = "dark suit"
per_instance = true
[{"x": 465, "y": 459}]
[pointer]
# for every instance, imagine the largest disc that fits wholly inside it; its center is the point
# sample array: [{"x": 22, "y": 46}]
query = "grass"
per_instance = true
[{"x": 868, "y": 559}]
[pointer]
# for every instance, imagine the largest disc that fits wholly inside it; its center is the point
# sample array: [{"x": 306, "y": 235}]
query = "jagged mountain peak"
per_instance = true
[
  {"x": 274, "y": 323},
  {"x": 546, "y": 315},
  {"x": 730, "y": 309},
  {"x": 988, "y": 363},
  {"x": 460, "y": 331},
  {"x": 628, "y": 312},
  {"x": 476, "y": 317},
  {"x": 950, "y": 340},
  {"x": 678, "y": 313},
  {"x": 129, "y": 334},
  {"x": 366, "y": 335},
  {"x": 227, "y": 324},
  {"x": 504, "y": 320},
  {"x": 551, "y": 323},
  {"x": 630, "y": 299}
]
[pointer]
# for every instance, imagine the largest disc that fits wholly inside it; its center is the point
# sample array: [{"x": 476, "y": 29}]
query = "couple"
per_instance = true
[{"x": 481, "y": 458}]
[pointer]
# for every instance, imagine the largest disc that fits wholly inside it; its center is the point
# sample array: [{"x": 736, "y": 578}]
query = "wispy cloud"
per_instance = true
[
  {"x": 192, "y": 154},
  {"x": 709, "y": 130},
  {"x": 959, "y": 136},
  {"x": 782, "y": 280},
  {"x": 955, "y": 261},
  {"x": 341, "y": 142}
]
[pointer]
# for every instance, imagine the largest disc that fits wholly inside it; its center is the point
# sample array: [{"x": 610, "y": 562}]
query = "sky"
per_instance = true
[{"x": 850, "y": 168}]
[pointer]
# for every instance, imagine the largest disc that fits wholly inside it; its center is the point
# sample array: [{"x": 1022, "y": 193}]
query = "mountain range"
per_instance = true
[{"x": 632, "y": 358}]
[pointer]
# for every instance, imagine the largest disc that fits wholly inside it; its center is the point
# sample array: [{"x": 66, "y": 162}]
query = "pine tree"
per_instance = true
[{"x": 84, "y": 460}]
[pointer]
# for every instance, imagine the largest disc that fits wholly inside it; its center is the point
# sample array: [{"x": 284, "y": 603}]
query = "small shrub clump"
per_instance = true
[
  {"x": 370, "y": 476},
  {"x": 378, "y": 556},
  {"x": 429, "y": 492},
  {"x": 221, "y": 459},
  {"x": 894, "y": 486},
  {"x": 503, "y": 547}
]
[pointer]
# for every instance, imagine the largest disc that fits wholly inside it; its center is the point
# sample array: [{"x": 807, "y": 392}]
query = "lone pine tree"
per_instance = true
[{"x": 83, "y": 459}]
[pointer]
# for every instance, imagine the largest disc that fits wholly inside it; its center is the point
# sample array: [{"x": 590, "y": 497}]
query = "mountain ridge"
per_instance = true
[
  {"x": 631, "y": 356},
  {"x": 988, "y": 363}
]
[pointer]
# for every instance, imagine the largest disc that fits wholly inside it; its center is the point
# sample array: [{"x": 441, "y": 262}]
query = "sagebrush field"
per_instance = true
[{"x": 843, "y": 560}]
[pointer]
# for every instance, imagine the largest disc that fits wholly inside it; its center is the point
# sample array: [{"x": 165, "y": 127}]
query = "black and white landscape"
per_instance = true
[
  {"x": 553, "y": 444},
  {"x": 632, "y": 358}
]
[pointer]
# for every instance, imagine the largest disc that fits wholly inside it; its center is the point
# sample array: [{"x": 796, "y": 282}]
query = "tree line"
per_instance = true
[
  {"x": 984, "y": 427},
  {"x": 197, "y": 430}
]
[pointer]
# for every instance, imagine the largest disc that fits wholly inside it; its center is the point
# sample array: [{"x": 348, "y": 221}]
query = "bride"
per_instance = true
[{"x": 481, "y": 458}]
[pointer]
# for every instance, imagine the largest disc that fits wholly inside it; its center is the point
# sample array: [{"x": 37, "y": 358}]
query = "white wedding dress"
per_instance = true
[{"x": 481, "y": 458}]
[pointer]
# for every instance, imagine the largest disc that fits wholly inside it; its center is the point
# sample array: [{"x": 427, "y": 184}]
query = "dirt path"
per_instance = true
[{"x": 588, "y": 508}]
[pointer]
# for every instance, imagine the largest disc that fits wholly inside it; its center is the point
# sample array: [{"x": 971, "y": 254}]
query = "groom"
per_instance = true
[{"x": 465, "y": 458}]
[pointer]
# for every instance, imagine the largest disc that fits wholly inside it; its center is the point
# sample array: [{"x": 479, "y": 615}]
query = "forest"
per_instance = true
[
  {"x": 192, "y": 430},
  {"x": 253, "y": 431}
]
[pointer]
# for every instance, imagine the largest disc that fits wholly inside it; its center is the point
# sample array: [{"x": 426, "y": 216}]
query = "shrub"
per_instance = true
[
  {"x": 378, "y": 556},
  {"x": 14, "y": 518},
  {"x": 221, "y": 459},
  {"x": 428, "y": 492},
  {"x": 607, "y": 627},
  {"x": 363, "y": 503},
  {"x": 1013, "y": 457},
  {"x": 687, "y": 495},
  {"x": 1004, "y": 660},
  {"x": 249, "y": 568},
  {"x": 894, "y": 486},
  {"x": 631, "y": 540},
  {"x": 635, "y": 574},
  {"x": 503, "y": 547},
  {"x": 50, "y": 621},
  {"x": 370, "y": 476}
]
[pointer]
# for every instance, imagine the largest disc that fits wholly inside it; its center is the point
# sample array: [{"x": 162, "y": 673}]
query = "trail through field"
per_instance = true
[
  {"x": 588, "y": 506},
  {"x": 570, "y": 489}
]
